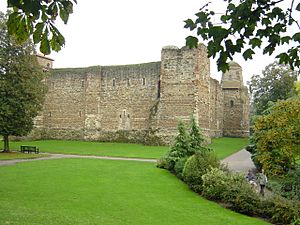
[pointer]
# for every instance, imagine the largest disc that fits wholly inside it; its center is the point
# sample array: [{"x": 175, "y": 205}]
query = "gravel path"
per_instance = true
[
  {"x": 60, "y": 156},
  {"x": 239, "y": 161}
]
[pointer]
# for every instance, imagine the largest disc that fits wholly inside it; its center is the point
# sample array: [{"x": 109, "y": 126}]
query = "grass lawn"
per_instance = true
[
  {"x": 18, "y": 155},
  {"x": 222, "y": 146},
  {"x": 95, "y": 148},
  {"x": 92, "y": 191},
  {"x": 227, "y": 146}
]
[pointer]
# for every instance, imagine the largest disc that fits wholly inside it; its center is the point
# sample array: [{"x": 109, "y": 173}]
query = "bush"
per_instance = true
[
  {"x": 179, "y": 166},
  {"x": 280, "y": 210},
  {"x": 214, "y": 183},
  {"x": 240, "y": 196},
  {"x": 162, "y": 163},
  {"x": 196, "y": 166},
  {"x": 288, "y": 186},
  {"x": 185, "y": 145},
  {"x": 231, "y": 189}
]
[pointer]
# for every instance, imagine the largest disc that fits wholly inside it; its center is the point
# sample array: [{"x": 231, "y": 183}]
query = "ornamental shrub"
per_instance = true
[
  {"x": 196, "y": 166},
  {"x": 231, "y": 189},
  {"x": 287, "y": 186},
  {"x": 280, "y": 210},
  {"x": 179, "y": 165},
  {"x": 240, "y": 196},
  {"x": 185, "y": 145},
  {"x": 214, "y": 183}
]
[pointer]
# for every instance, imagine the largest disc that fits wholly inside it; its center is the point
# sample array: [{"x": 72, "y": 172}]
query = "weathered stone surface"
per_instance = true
[{"x": 144, "y": 102}]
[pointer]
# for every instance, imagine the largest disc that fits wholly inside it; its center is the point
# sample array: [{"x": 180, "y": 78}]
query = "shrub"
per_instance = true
[
  {"x": 185, "y": 145},
  {"x": 179, "y": 165},
  {"x": 240, "y": 196},
  {"x": 280, "y": 210},
  {"x": 179, "y": 149},
  {"x": 214, "y": 183},
  {"x": 288, "y": 186},
  {"x": 231, "y": 189},
  {"x": 162, "y": 163},
  {"x": 196, "y": 166}
]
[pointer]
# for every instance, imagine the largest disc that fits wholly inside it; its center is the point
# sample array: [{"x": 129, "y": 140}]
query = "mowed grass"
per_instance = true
[
  {"x": 93, "y": 191},
  {"x": 222, "y": 146},
  {"x": 18, "y": 155},
  {"x": 227, "y": 146},
  {"x": 95, "y": 148}
]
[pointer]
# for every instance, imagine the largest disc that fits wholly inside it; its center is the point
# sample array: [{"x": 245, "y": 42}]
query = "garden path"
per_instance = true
[
  {"x": 60, "y": 156},
  {"x": 239, "y": 162}
]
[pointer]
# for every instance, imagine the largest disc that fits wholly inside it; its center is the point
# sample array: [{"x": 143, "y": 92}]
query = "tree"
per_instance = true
[
  {"x": 196, "y": 137},
  {"x": 277, "y": 137},
  {"x": 275, "y": 83},
  {"x": 31, "y": 17},
  {"x": 21, "y": 88},
  {"x": 243, "y": 28}
]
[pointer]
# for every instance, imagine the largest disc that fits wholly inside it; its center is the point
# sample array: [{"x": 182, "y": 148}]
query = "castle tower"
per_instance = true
[
  {"x": 236, "y": 102},
  {"x": 184, "y": 88},
  {"x": 45, "y": 62}
]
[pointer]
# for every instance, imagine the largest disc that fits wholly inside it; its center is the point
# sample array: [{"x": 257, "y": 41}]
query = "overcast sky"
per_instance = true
[{"x": 117, "y": 32}]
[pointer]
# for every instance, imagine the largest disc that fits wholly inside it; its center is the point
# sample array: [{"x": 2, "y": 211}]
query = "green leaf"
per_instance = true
[
  {"x": 190, "y": 24},
  {"x": 255, "y": 42},
  {"x": 191, "y": 42},
  {"x": 45, "y": 44},
  {"x": 38, "y": 32},
  {"x": 202, "y": 17},
  {"x": 298, "y": 7},
  {"x": 296, "y": 37},
  {"x": 283, "y": 58},
  {"x": 248, "y": 54},
  {"x": 285, "y": 39},
  {"x": 64, "y": 15}
]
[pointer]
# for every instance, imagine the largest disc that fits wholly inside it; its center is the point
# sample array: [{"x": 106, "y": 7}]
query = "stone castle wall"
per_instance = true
[{"x": 143, "y": 102}]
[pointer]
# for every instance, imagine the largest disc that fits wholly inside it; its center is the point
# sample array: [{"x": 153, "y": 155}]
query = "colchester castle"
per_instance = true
[{"x": 143, "y": 102}]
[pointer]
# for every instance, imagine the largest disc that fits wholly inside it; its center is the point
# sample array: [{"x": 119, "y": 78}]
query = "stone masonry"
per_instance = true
[{"x": 144, "y": 102}]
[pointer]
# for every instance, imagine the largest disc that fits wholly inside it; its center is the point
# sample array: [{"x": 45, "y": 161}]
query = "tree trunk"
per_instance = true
[{"x": 6, "y": 144}]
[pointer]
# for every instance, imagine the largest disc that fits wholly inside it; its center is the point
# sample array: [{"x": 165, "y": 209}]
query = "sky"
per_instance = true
[{"x": 118, "y": 32}]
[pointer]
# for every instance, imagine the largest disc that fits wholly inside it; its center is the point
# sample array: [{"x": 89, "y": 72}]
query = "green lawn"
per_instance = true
[
  {"x": 227, "y": 146},
  {"x": 18, "y": 155},
  {"x": 222, "y": 146},
  {"x": 95, "y": 148},
  {"x": 92, "y": 191}
]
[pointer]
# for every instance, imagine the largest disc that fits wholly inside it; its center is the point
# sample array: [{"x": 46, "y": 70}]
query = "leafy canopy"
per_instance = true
[
  {"x": 277, "y": 137},
  {"x": 276, "y": 82},
  {"x": 21, "y": 88},
  {"x": 245, "y": 26},
  {"x": 37, "y": 18}
]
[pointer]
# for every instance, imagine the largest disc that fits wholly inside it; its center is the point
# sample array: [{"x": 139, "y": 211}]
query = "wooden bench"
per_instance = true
[{"x": 29, "y": 149}]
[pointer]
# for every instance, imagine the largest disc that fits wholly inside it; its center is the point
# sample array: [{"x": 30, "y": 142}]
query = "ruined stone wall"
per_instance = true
[
  {"x": 144, "y": 102},
  {"x": 177, "y": 89},
  {"x": 127, "y": 94},
  {"x": 236, "y": 103},
  {"x": 96, "y": 102},
  {"x": 216, "y": 109},
  {"x": 64, "y": 107}
]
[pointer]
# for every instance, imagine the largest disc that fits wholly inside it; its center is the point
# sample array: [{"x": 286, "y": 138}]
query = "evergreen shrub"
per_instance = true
[
  {"x": 196, "y": 166},
  {"x": 231, "y": 189}
]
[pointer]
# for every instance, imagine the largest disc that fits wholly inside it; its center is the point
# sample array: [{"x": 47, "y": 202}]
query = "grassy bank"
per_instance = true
[{"x": 91, "y": 191}]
